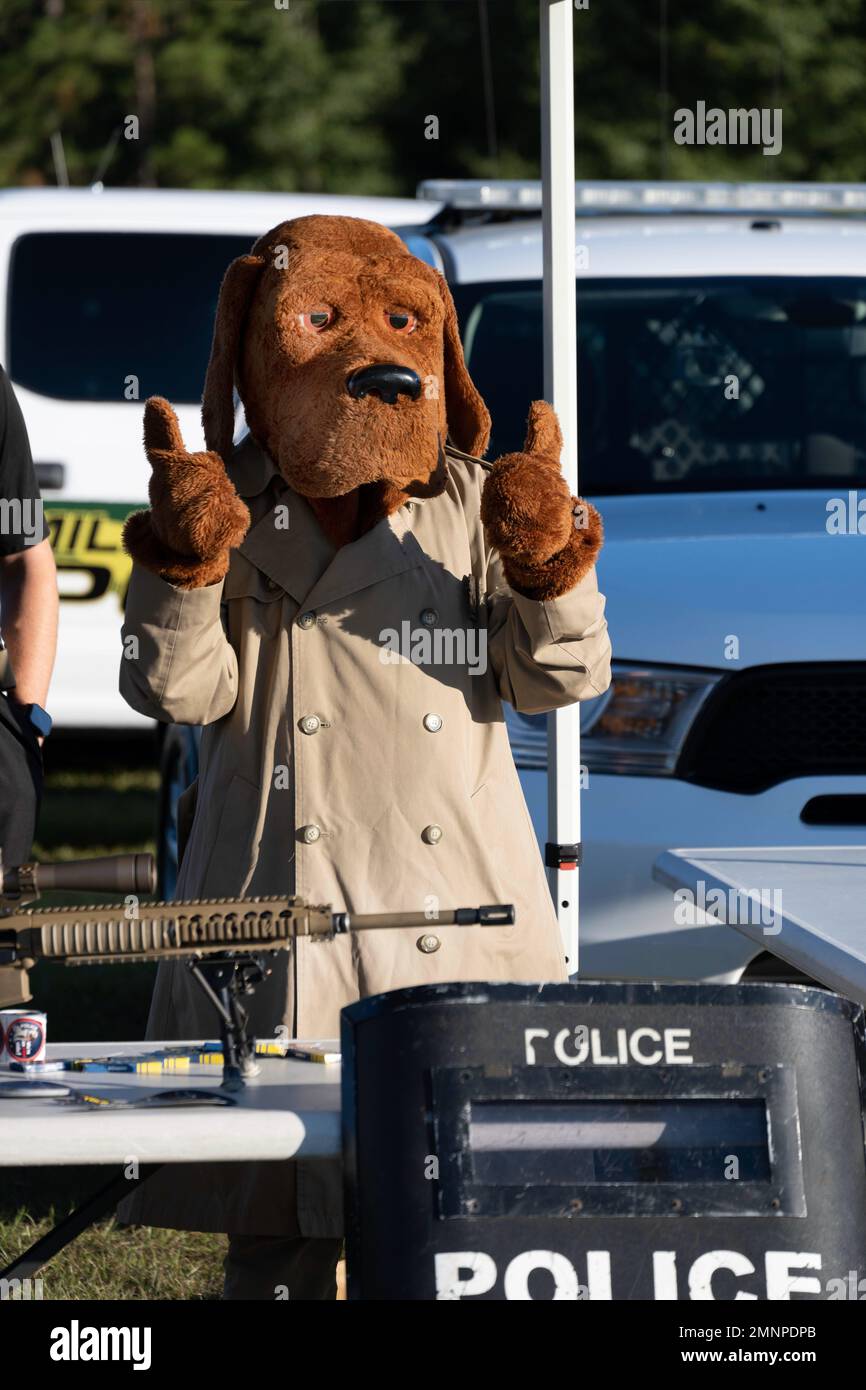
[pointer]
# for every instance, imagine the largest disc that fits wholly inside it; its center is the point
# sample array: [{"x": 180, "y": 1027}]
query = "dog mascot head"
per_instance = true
[{"x": 345, "y": 352}]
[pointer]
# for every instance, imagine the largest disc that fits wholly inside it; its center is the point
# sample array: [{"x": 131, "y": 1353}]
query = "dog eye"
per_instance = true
[
  {"x": 401, "y": 320},
  {"x": 317, "y": 319}
]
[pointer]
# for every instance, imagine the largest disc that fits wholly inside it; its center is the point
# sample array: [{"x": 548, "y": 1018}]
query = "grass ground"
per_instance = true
[{"x": 100, "y": 798}]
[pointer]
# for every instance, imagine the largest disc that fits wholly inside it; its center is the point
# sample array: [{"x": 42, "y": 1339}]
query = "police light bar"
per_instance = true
[{"x": 513, "y": 195}]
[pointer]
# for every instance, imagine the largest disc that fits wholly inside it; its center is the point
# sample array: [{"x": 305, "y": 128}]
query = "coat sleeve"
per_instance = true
[
  {"x": 551, "y": 653},
  {"x": 177, "y": 664},
  {"x": 545, "y": 654}
]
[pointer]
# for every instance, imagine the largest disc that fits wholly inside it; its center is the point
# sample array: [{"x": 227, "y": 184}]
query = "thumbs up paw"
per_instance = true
[
  {"x": 547, "y": 539},
  {"x": 195, "y": 515}
]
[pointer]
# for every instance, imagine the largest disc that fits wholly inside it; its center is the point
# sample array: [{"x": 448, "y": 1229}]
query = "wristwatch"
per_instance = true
[{"x": 39, "y": 718}]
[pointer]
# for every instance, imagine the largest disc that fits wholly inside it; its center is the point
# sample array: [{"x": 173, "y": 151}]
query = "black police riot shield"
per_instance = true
[{"x": 604, "y": 1141}]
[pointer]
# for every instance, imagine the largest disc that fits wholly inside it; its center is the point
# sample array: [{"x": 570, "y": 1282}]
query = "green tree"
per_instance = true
[
  {"x": 226, "y": 93},
  {"x": 337, "y": 94},
  {"x": 636, "y": 63}
]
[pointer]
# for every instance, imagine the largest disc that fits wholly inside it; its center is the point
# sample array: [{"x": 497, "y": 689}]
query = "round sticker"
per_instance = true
[{"x": 25, "y": 1039}]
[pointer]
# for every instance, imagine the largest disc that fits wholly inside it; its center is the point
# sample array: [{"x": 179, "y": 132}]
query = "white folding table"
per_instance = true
[
  {"x": 816, "y": 899},
  {"x": 291, "y": 1109}
]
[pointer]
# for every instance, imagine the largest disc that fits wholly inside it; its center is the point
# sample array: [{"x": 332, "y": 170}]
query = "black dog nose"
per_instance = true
[{"x": 385, "y": 380}]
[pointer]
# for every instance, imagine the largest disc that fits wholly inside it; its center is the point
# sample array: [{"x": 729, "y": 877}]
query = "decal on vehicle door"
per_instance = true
[{"x": 86, "y": 540}]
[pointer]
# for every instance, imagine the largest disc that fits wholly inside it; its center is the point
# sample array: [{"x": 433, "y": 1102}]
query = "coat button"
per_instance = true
[
  {"x": 429, "y": 617},
  {"x": 271, "y": 585},
  {"x": 428, "y": 944},
  {"x": 310, "y": 724},
  {"x": 310, "y": 834},
  {"x": 307, "y": 620},
  {"x": 431, "y": 834},
  {"x": 432, "y": 723}
]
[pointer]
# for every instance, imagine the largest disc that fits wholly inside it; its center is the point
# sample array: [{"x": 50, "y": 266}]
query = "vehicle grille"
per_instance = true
[{"x": 766, "y": 725}]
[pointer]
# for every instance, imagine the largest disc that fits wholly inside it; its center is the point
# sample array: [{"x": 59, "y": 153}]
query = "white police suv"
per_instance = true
[{"x": 722, "y": 434}]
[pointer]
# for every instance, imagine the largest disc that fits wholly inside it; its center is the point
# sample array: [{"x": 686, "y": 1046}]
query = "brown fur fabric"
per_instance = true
[
  {"x": 548, "y": 539},
  {"x": 293, "y": 381},
  {"x": 140, "y": 541},
  {"x": 318, "y": 299},
  {"x": 344, "y": 519},
  {"x": 554, "y": 577},
  {"x": 195, "y": 515}
]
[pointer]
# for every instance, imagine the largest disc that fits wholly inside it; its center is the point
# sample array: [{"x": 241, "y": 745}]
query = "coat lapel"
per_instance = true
[{"x": 289, "y": 546}]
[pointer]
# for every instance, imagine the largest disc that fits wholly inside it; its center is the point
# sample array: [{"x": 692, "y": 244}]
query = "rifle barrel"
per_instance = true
[{"x": 495, "y": 915}]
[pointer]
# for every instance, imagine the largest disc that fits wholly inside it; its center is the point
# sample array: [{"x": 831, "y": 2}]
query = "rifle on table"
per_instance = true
[{"x": 224, "y": 941}]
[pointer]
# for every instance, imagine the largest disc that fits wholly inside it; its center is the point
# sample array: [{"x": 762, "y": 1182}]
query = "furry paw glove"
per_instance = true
[
  {"x": 195, "y": 516},
  {"x": 548, "y": 540}
]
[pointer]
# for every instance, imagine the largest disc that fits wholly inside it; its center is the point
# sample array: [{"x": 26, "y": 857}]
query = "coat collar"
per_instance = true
[
  {"x": 287, "y": 544},
  {"x": 250, "y": 468}
]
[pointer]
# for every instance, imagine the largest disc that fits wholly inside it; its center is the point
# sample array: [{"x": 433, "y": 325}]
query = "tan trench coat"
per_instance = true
[{"x": 342, "y": 761}]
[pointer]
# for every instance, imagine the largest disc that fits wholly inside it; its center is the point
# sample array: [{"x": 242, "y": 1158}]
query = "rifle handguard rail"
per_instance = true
[{"x": 159, "y": 931}]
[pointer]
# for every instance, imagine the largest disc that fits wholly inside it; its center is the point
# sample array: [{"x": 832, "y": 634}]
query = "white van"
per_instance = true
[{"x": 108, "y": 297}]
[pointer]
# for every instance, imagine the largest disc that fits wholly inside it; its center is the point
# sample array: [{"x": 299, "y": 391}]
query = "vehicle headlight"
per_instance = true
[
  {"x": 640, "y": 724},
  {"x": 638, "y": 727}
]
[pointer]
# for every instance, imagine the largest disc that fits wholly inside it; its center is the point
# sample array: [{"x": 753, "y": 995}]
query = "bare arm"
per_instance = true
[{"x": 28, "y": 614}]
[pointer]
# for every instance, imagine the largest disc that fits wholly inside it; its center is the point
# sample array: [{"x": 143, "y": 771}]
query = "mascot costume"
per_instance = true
[{"x": 343, "y": 601}]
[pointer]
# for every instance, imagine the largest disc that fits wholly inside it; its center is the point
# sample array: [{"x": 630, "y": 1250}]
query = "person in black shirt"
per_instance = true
[{"x": 28, "y": 633}]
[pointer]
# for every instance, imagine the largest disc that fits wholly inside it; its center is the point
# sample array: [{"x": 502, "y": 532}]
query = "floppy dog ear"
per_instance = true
[
  {"x": 217, "y": 406},
  {"x": 468, "y": 417}
]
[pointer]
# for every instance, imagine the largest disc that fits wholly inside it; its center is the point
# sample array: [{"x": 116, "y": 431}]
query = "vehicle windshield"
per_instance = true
[
  {"x": 688, "y": 385},
  {"x": 87, "y": 310}
]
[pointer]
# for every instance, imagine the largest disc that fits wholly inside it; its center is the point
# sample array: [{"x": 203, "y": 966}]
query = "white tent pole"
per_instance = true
[{"x": 560, "y": 388}]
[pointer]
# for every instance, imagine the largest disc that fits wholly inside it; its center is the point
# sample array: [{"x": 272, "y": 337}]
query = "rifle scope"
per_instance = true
[{"x": 113, "y": 873}]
